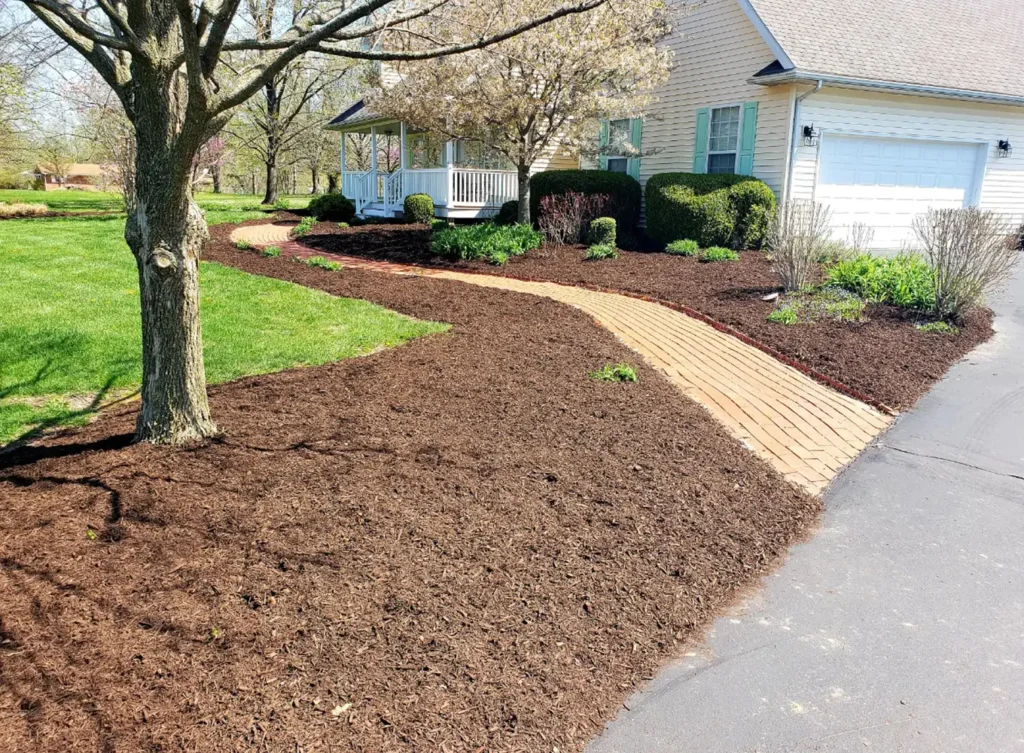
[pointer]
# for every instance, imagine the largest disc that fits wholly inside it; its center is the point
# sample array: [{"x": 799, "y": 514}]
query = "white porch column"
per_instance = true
[
  {"x": 401, "y": 145},
  {"x": 344, "y": 162},
  {"x": 373, "y": 162},
  {"x": 449, "y": 161}
]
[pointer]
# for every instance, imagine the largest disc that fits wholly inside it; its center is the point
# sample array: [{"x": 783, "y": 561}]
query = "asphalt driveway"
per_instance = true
[{"x": 900, "y": 625}]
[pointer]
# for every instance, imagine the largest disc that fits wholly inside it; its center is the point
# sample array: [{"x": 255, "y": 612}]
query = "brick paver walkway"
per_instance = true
[{"x": 806, "y": 430}]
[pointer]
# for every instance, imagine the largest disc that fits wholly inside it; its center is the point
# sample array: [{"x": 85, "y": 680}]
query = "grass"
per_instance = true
[
  {"x": 70, "y": 330},
  {"x": 98, "y": 201}
]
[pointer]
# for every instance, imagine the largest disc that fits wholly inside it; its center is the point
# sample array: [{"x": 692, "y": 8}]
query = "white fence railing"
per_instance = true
[{"x": 448, "y": 187}]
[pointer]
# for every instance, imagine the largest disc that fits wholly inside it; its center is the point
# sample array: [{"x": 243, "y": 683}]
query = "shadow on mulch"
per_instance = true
[
  {"x": 885, "y": 357},
  {"x": 462, "y": 544}
]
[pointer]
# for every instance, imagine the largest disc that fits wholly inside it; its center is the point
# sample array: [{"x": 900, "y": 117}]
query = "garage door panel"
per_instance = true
[{"x": 886, "y": 183}]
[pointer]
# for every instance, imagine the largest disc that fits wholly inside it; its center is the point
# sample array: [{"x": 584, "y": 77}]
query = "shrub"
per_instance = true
[
  {"x": 271, "y": 251},
  {"x": 718, "y": 253},
  {"x": 22, "y": 210},
  {"x": 624, "y": 192},
  {"x": 332, "y": 207},
  {"x": 418, "y": 208},
  {"x": 303, "y": 227},
  {"x": 565, "y": 218},
  {"x": 599, "y": 252},
  {"x": 799, "y": 235},
  {"x": 243, "y": 245},
  {"x": 508, "y": 214},
  {"x": 620, "y": 372},
  {"x": 712, "y": 209},
  {"x": 969, "y": 255},
  {"x": 904, "y": 280},
  {"x": 493, "y": 243},
  {"x": 602, "y": 232},
  {"x": 322, "y": 263},
  {"x": 683, "y": 248}
]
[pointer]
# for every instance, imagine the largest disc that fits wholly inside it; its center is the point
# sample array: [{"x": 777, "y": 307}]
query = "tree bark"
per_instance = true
[
  {"x": 166, "y": 231},
  {"x": 315, "y": 174},
  {"x": 273, "y": 102},
  {"x": 216, "y": 178},
  {"x": 332, "y": 182},
  {"x": 270, "y": 195},
  {"x": 524, "y": 194}
]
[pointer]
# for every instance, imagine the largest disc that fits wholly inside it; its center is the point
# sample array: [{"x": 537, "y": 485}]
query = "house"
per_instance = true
[
  {"x": 81, "y": 176},
  {"x": 383, "y": 161},
  {"x": 878, "y": 108}
]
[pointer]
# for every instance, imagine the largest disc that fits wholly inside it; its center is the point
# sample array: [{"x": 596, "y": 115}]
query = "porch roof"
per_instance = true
[{"x": 357, "y": 116}]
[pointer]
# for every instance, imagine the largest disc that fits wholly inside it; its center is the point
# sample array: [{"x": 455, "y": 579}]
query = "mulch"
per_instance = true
[
  {"x": 885, "y": 357},
  {"x": 463, "y": 544}
]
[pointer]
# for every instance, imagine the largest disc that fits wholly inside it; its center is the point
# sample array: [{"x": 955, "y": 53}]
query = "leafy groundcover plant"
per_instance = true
[
  {"x": 905, "y": 280},
  {"x": 819, "y": 304},
  {"x": 718, "y": 253},
  {"x": 620, "y": 372},
  {"x": 685, "y": 247},
  {"x": 601, "y": 251},
  {"x": 495, "y": 244}
]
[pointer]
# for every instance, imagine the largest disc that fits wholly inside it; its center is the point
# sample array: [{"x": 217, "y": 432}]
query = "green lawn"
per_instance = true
[
  {"x": 70, "y": 324},
  {"x": 96, "y": 201}
]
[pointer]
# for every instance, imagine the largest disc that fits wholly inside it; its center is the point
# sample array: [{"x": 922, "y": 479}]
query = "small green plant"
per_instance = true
[
  {"x": 488, "y": 242},
  {"x": 271, "y": 251},
  {"x": 418, "y": 208},
  {"x": 685, "y": 247},
  {"x": 718, "y": 253},
  {"x": 243, "y": 245},
  {"x": 620, "y": 372},
  {"x": 343, "y": 225},
  {"x": 322, "y": 263},
  {"x": 784, "y": 315},
  {"x": 282, "y": 205},
  {"x": 91, "y": 534},
  {"x": 602, "y": 232},
  {"x": 304, "y": 227},
  {"x": 938, "y": 328},
  {"x": 598, "y": 253}
]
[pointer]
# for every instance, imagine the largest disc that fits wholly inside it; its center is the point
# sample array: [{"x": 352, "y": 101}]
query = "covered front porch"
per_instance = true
[{"x": 383, "y": 161}]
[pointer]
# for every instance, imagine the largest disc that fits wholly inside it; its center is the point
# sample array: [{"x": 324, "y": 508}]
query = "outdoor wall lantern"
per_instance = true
[
  {"x": 1005, "y": 148},
  {"x": 811, "y": 135}
]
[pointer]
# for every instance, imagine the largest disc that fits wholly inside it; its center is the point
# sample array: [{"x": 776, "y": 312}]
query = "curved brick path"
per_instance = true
[{"x": 806, "y": 430}]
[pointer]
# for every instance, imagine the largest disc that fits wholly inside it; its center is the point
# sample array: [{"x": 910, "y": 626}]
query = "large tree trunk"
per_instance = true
[
  {"x": 332, "y": 182},
  {"x": 216, "y": 178},
  {"x": 166, "y": 231},
  {"x": 315, "y": 173},
  {"x": 270, "y": 195},
  {"x": 524, "y": 194},
  {"x": 273, "y": 102}
]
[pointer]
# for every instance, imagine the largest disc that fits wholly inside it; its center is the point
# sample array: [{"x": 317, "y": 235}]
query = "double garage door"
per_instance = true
[{"x": 885, "y": 183}]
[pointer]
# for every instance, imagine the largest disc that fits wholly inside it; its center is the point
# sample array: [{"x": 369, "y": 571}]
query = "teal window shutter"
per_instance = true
[
  {"x": 602, "y": 160},
  {"x": 700, "y": 149},
  {"x": 747, "y": 139},
  {"x": 636, "y": 140}
]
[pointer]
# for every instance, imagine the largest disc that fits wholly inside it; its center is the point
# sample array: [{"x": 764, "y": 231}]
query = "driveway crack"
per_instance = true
[{"x": 1015, "y": 476}]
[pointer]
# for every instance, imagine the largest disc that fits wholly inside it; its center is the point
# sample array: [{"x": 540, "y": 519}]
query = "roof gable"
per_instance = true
[{"x": 950, "y": 44}]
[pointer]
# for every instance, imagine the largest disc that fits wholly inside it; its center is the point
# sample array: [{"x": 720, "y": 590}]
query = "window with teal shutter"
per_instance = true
[
  {"x": 700, "y": 148},
  {"x": 748, "y": 139},
  {"x": 636, "y": 140},
  {"x": 602, "y": 141}
]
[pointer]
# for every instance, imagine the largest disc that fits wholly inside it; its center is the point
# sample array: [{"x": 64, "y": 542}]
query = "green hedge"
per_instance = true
[
  {"x": 625, "y": 191},
  {"x": 418, "y": 208},
  {"x": 332, "y": 207},
  {"x": 508, "y": 214},
  {"x": 714, "y": 210}
]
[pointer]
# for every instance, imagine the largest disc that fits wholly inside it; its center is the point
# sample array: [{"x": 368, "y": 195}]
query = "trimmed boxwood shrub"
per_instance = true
[
  {"x": 332, "y": 207},
  {"x": 625, "y": 191},
  {"x": 602, "y": 232},
  {"x": 715, "y": 210},
  {"x": 418, "y": 208},
  {"x": 508, "y": 214}
]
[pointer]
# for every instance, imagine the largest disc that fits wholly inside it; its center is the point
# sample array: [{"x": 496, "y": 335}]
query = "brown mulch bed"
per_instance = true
[
  {"x": 463, "y": 544},
  {"x": 886, "y": 357}
]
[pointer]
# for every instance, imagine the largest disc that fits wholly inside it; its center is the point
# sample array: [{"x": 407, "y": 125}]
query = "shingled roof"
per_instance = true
[{"x": 961, "y": 45}]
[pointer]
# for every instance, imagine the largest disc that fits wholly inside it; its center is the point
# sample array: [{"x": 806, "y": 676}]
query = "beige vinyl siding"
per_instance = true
[
  {"x": 555, "y": 158},
  {"x": 909, "y": 117},
  {"x": 717, "y": 49}
]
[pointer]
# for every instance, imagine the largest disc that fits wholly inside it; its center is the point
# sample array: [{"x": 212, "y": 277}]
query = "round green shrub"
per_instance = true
[
  {"x": 602, "y": 232},
  {"x": 625, "y": 191},
  {"x": 684, "y": 247},
  {"x": 418, "y": 208},
  {"x": 508, "y": 214},
  {"x": 332, "y": 207},
  {"x": 716, "y": 210}
]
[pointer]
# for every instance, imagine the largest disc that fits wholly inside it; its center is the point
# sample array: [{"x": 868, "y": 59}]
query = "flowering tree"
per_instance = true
[
  {"x": 166, "y": 63},
  {"x": 543, "y": 90}
]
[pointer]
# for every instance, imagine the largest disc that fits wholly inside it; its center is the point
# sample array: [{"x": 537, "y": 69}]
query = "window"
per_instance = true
[
  {"x": 724, "y": 139},
  {"x": 618, "y": 144},
  {"x": 479, "y": 156}
]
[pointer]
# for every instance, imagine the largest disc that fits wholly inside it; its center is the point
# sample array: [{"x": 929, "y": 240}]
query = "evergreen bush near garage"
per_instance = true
[
  {"x": 624, "y": 191},
  {"x": 418, "y": 208},
  {"x": 602, "y": 232},
  {"x": 714, "y": 210},
  {"x": 332, "y": 207}
]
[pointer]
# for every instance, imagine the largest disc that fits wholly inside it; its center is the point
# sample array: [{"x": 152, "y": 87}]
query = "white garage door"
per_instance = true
[{"x": 885, "y": 182}]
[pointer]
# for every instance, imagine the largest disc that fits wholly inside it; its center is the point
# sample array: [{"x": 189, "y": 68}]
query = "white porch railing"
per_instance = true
[{"x": 452, "y": 188}]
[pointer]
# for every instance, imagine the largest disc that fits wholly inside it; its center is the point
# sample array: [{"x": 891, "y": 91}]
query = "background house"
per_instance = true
[
  {"x": 879, "y": 109},
  {"x": 77, "y": 175}
]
